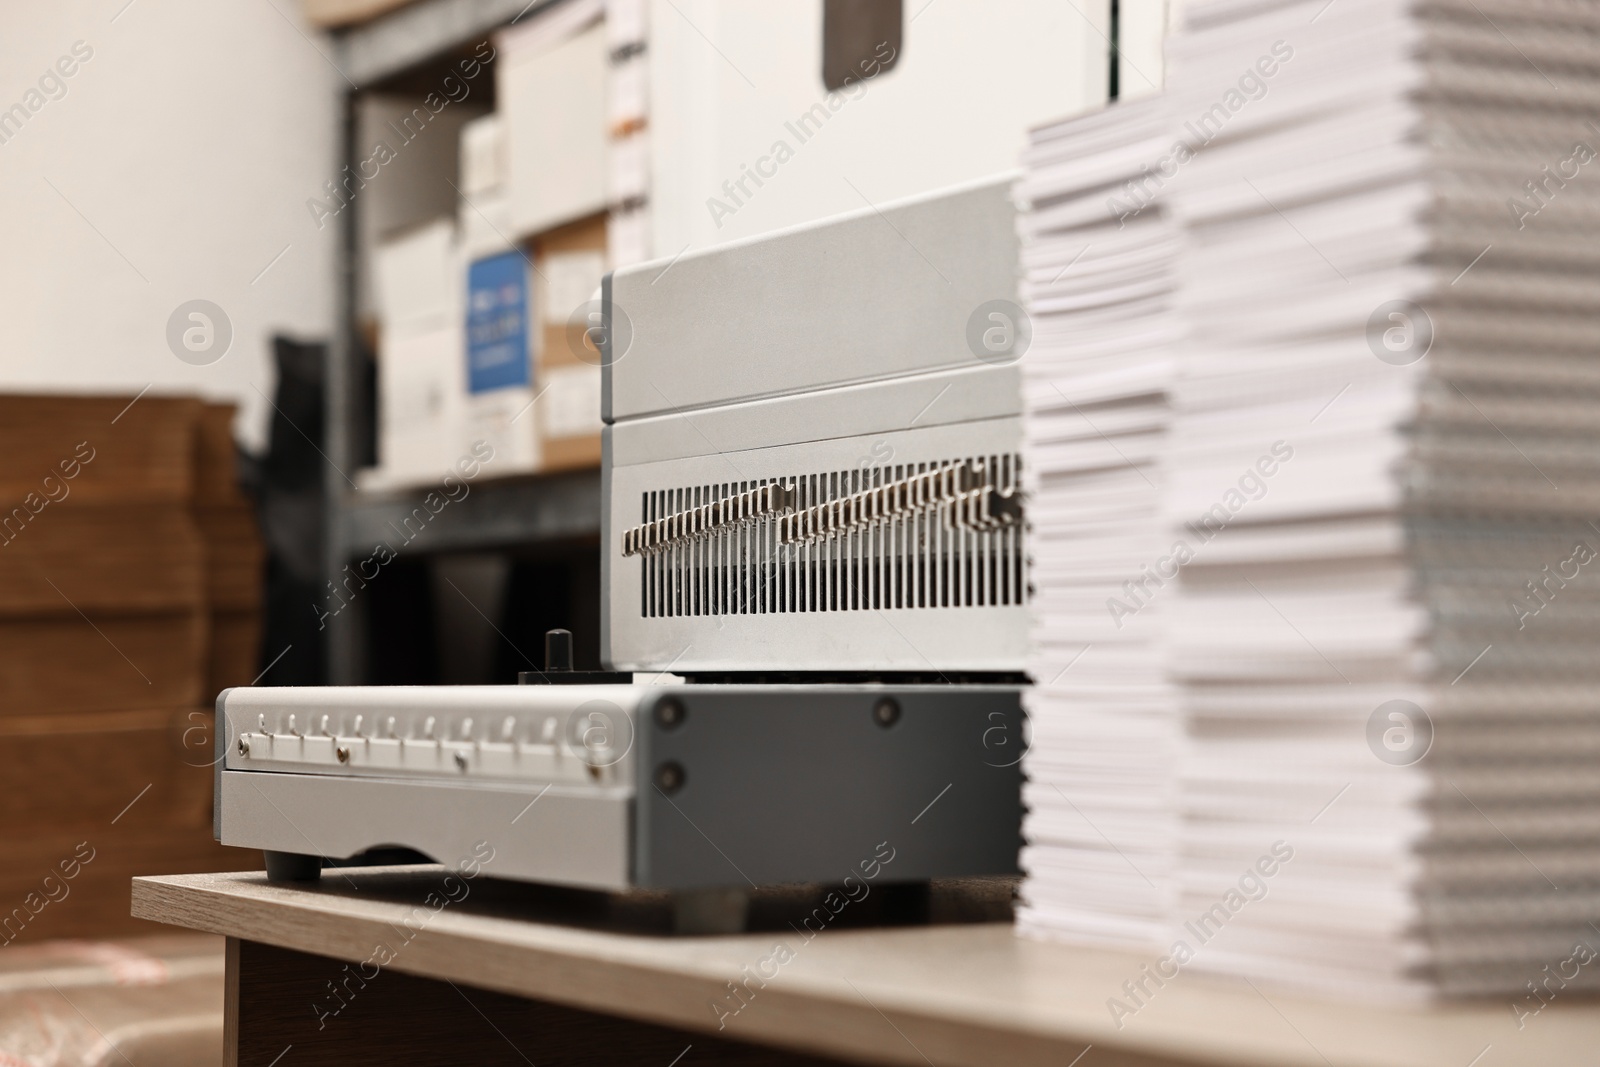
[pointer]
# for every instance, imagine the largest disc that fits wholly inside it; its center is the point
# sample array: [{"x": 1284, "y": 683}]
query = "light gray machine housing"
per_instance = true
[
  {"x": 811, "y": 451},
  {"x": 620, "y": 786},
  {"x": 810, "y": 469}
]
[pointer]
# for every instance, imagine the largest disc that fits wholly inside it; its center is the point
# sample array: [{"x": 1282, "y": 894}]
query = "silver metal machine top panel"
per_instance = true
[{"x": 860, "y": 297}]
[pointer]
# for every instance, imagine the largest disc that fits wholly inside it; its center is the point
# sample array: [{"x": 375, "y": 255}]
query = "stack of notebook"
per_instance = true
[
  {"x": 1387, "y": 428},
  {"x": 1099, "y": 279},
  {"x": 1383, "y": 459}
]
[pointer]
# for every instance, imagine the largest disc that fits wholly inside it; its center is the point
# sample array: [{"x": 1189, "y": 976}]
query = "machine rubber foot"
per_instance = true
[{"x": 292, "y": 867}]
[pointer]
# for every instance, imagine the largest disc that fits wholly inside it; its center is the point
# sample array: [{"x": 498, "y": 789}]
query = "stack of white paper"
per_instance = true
[
  {"x": 1365, "y": 480},
  {"x": 1099, "y": 284},
  {"x": 1384, "y": 450}
]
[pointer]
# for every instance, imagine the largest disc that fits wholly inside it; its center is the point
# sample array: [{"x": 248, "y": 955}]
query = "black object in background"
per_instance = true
[
  {"x": 538, "y": 598},
  {"x": 290, "y": 506},
  {"x": 860, "y": 39},
  {"x": 402, "y": 638},
  {"x": 559, "y": 590},
  {"x": 1114, "y": 89},
  {"x": 417, "y": 625},
  {"x": 363, "y": 432}
]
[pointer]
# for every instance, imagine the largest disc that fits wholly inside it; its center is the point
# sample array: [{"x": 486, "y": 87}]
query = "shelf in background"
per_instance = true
[
  {"x": 334, "y": 14},
  {"x": 419, "y": 32},
  {"x": 497, "y": 513}
]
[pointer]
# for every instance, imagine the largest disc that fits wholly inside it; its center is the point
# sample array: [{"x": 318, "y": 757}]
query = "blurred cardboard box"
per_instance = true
[
  {"x": 235, "y": 556},
  {"x": 422, "y": 395},
  {"x": 102, "y": 569},
  {"x": 501, "y": 386},
  {"x": 572, "y": 262},
  {"x": 551, "y": 91},
  {"x": 130, "y": 578}
]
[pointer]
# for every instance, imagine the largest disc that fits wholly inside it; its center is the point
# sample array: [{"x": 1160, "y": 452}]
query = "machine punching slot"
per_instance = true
[{"x": 945, "y": 535}]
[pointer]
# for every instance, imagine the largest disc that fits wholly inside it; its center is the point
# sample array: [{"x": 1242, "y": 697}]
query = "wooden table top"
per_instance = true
[{"x": 955, "y": 992}]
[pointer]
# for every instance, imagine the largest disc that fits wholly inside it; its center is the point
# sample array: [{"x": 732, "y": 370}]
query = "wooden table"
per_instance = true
[{"x": 366, "y": 967}]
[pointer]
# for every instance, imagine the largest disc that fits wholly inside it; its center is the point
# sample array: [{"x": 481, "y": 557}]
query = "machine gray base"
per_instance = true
[
  {"x": 734, "y": 787},
  {"x": 810, "y": 784}
]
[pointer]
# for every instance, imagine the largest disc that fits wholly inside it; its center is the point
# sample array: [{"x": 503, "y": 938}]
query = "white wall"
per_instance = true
[
  {"x": 190, "y": 141},
  {"x": 971, "y": 77}
]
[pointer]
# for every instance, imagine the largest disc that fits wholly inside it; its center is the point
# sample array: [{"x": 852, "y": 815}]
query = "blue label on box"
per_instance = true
[{"x": 498, "y": 318}]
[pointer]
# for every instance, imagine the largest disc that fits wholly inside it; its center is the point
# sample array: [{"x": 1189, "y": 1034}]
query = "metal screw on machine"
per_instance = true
[
  {"x": 558, "y": 650},
  {"x": 886, "y": 712},
  {"x": 669, "y": 713},
  {"x": 670, "y": 778}
]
